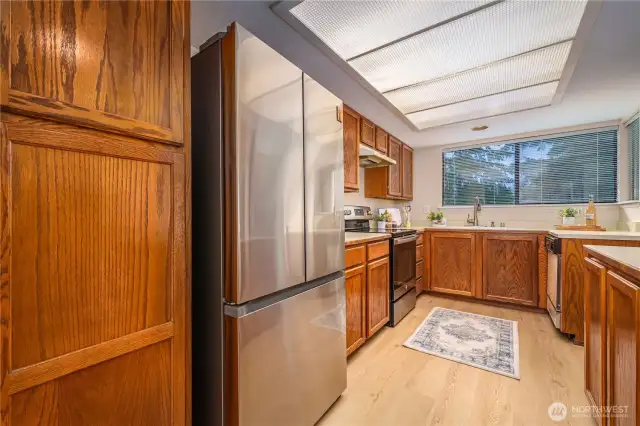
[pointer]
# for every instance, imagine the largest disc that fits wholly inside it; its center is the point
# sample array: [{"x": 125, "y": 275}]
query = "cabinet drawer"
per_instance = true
[
  {"x": 354, "y": 256},
  {"x": 420, "y": 239},
  {"x": 419, "y": 285},
  {"x": 418, "y": 253},
  {"x": 419, "y": 269},
  {"x": 376, "y": 250}
]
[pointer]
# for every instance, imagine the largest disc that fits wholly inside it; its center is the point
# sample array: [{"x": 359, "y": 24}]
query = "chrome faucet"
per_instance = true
[{"x": 477, "y": 207}]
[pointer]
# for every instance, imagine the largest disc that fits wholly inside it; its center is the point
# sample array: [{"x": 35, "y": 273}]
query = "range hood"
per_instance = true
[{"x": 369, "y": 157}]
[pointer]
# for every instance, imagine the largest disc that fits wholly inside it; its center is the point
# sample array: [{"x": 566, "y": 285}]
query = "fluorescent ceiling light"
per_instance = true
[
  {"x": 502, "y": 103},
  {"x": 539, "y": 66},
  {"x": 352, "y": 27},
  {"x": 430, "y": 58}
]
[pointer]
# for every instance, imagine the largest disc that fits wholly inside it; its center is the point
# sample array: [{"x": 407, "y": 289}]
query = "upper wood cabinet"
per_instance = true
[
  {"x": 94, "y": 270},
  {"x": 116, "y": 66},
  {"x": 377, "y": 294},
  {"x": 394, "y": 184},
  {"x": 407, "y": 172},
  {"x": 351, "y": 135},
  {"x": 510, "y": 268},
  {"x": 623, "y": 332},
  {"x": 595, "y": 336},
  {"x": 355, "y": 289},
  {"x": 386, "y": 182},
  {"x": 382, "y": 138},
  {"x": 452, "y": 263},
  {"x": 367, "y": 132}
]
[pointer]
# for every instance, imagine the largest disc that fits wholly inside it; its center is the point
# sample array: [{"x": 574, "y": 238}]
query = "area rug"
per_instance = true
[{"x": 483, "y": 342}]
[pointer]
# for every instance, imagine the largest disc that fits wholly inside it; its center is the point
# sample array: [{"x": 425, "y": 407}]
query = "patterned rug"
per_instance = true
[{"x": 484, "y": 342}]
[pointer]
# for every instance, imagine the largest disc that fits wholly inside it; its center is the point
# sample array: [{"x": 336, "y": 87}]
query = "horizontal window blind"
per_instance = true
[
  {"x": 634, "y": 158},
  {"x": 558, "y": 169}
]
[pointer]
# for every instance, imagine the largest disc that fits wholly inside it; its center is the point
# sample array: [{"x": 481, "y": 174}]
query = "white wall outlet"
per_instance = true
[{"x": 426, "y": 209}]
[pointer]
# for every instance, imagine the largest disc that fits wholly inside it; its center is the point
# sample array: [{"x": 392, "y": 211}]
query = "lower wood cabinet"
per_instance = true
[
  {"x": 377, "y": 295},
  {"x": 510, "y": 268},
  {"x": 367, "y": 291},
  {"x": 452, "y": 263},
  {"x": 595, "y": 338},
  {"x": 623, "y": 334},
  {"x": 355, "y": 288},
  {"x": 612, "y": 339}
]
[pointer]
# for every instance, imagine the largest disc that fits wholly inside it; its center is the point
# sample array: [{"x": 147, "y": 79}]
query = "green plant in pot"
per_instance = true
[
  {"x": 569, "y": 215},
  {"x": 436, "y": 218},
  {"x": 383, "y": 219}
]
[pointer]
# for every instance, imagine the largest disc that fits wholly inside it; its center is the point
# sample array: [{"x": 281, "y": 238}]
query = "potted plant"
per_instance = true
[
  {"x": 436, "y": 218},
  {"x": 383, "y": 219},
  {"x": 569, "y": 215}
]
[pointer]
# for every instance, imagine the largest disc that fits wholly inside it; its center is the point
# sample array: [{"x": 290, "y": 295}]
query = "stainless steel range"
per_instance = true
[{"x": 402, "y": 249}]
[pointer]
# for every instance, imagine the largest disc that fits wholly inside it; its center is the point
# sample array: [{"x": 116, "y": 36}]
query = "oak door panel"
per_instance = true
[
  {"x": 378, "y": 290},
  {"x": 351, "y": 141},
  {"x": 115, "y": 66},
  {"x": 356, "y": 291},
  {"x": 354, "y": 256},
  {"x": 381, "y": 140},
  {"x": 367, "y": 132},
  {"x": 93, "y": 233},
  {"x": 595, "y": 333},
  {"x": 623, "y": 328},
  {"x": 510, "y": 268},
  {"x": 115, "y": 392},
  {"x": 394, "y": 181},
  {"x": 407, "y": 172},
  {"x": 572, "y": 298},
  {"x": 452, "y": 263}
]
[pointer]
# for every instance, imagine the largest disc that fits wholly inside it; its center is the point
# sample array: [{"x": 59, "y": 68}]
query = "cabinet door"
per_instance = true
[
  {"x": 355, "y": 289},
  {"x": 394, "y": 181},
  {"x": 407, "y": 172},
  {"x": 351, "y": 133},
  {"x": 378, "y": 290},
  {"x": 367, "y": 132},
  {"x": 452, "y": 263},
  {"x": 623, "y": 316},
  {"x": 595, "y": 287},
  {"x": 510, "y": 268},
  {"x": 381, "y": 140},
  {"x": 93, "y": 235},
  {"x": 117, "y": 65}
]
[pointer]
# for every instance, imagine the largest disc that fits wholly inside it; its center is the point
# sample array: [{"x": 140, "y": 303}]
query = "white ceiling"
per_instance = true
[{"x": 605, "y": 84}]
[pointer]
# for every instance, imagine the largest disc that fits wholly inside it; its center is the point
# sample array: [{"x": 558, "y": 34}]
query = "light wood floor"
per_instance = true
[{"x": 390, "y": 385}]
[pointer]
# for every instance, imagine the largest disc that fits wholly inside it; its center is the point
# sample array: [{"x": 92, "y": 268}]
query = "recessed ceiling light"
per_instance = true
[
  {"x": 479, "y": 128},
  {"x": 441, "y": 62}
]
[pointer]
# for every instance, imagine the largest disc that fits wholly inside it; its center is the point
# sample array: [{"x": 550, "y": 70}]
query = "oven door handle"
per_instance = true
[{"x": 398, "y": 241}]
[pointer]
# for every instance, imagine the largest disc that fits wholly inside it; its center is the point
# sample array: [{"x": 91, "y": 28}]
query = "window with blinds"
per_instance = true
[
  {"x": 558, "y": 169},
  {"x": 634, "y": 158}
]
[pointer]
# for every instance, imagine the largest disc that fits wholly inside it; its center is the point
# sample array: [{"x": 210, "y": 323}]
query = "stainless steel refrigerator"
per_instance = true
[{"x": 269, "y": 325}]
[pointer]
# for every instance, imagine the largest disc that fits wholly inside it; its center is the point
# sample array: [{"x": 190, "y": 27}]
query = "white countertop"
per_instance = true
[
  {"x": 480, "y": 228},
  {"x": 595, "y": 235},
  {"x": 629, "y": 256},
  {"x": 362, "y": 237}
]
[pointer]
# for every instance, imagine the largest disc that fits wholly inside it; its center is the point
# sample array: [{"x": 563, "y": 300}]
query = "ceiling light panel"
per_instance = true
[
  {"x": 540, "y": 66},
  {"x": 351, "y": 28},
  {"x": 491, "y": 34},
  {"x": 502, "y": 103}
]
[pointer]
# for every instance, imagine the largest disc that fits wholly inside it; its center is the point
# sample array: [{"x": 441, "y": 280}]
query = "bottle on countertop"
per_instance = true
[{"x": 590, "y": 214}]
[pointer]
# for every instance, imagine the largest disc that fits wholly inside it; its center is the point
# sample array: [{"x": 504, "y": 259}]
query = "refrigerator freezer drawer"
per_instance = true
[{"x": 290, "y": 361}]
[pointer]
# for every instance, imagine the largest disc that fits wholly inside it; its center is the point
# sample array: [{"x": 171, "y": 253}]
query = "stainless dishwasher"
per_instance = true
[{"x": 554, "y": 278}]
